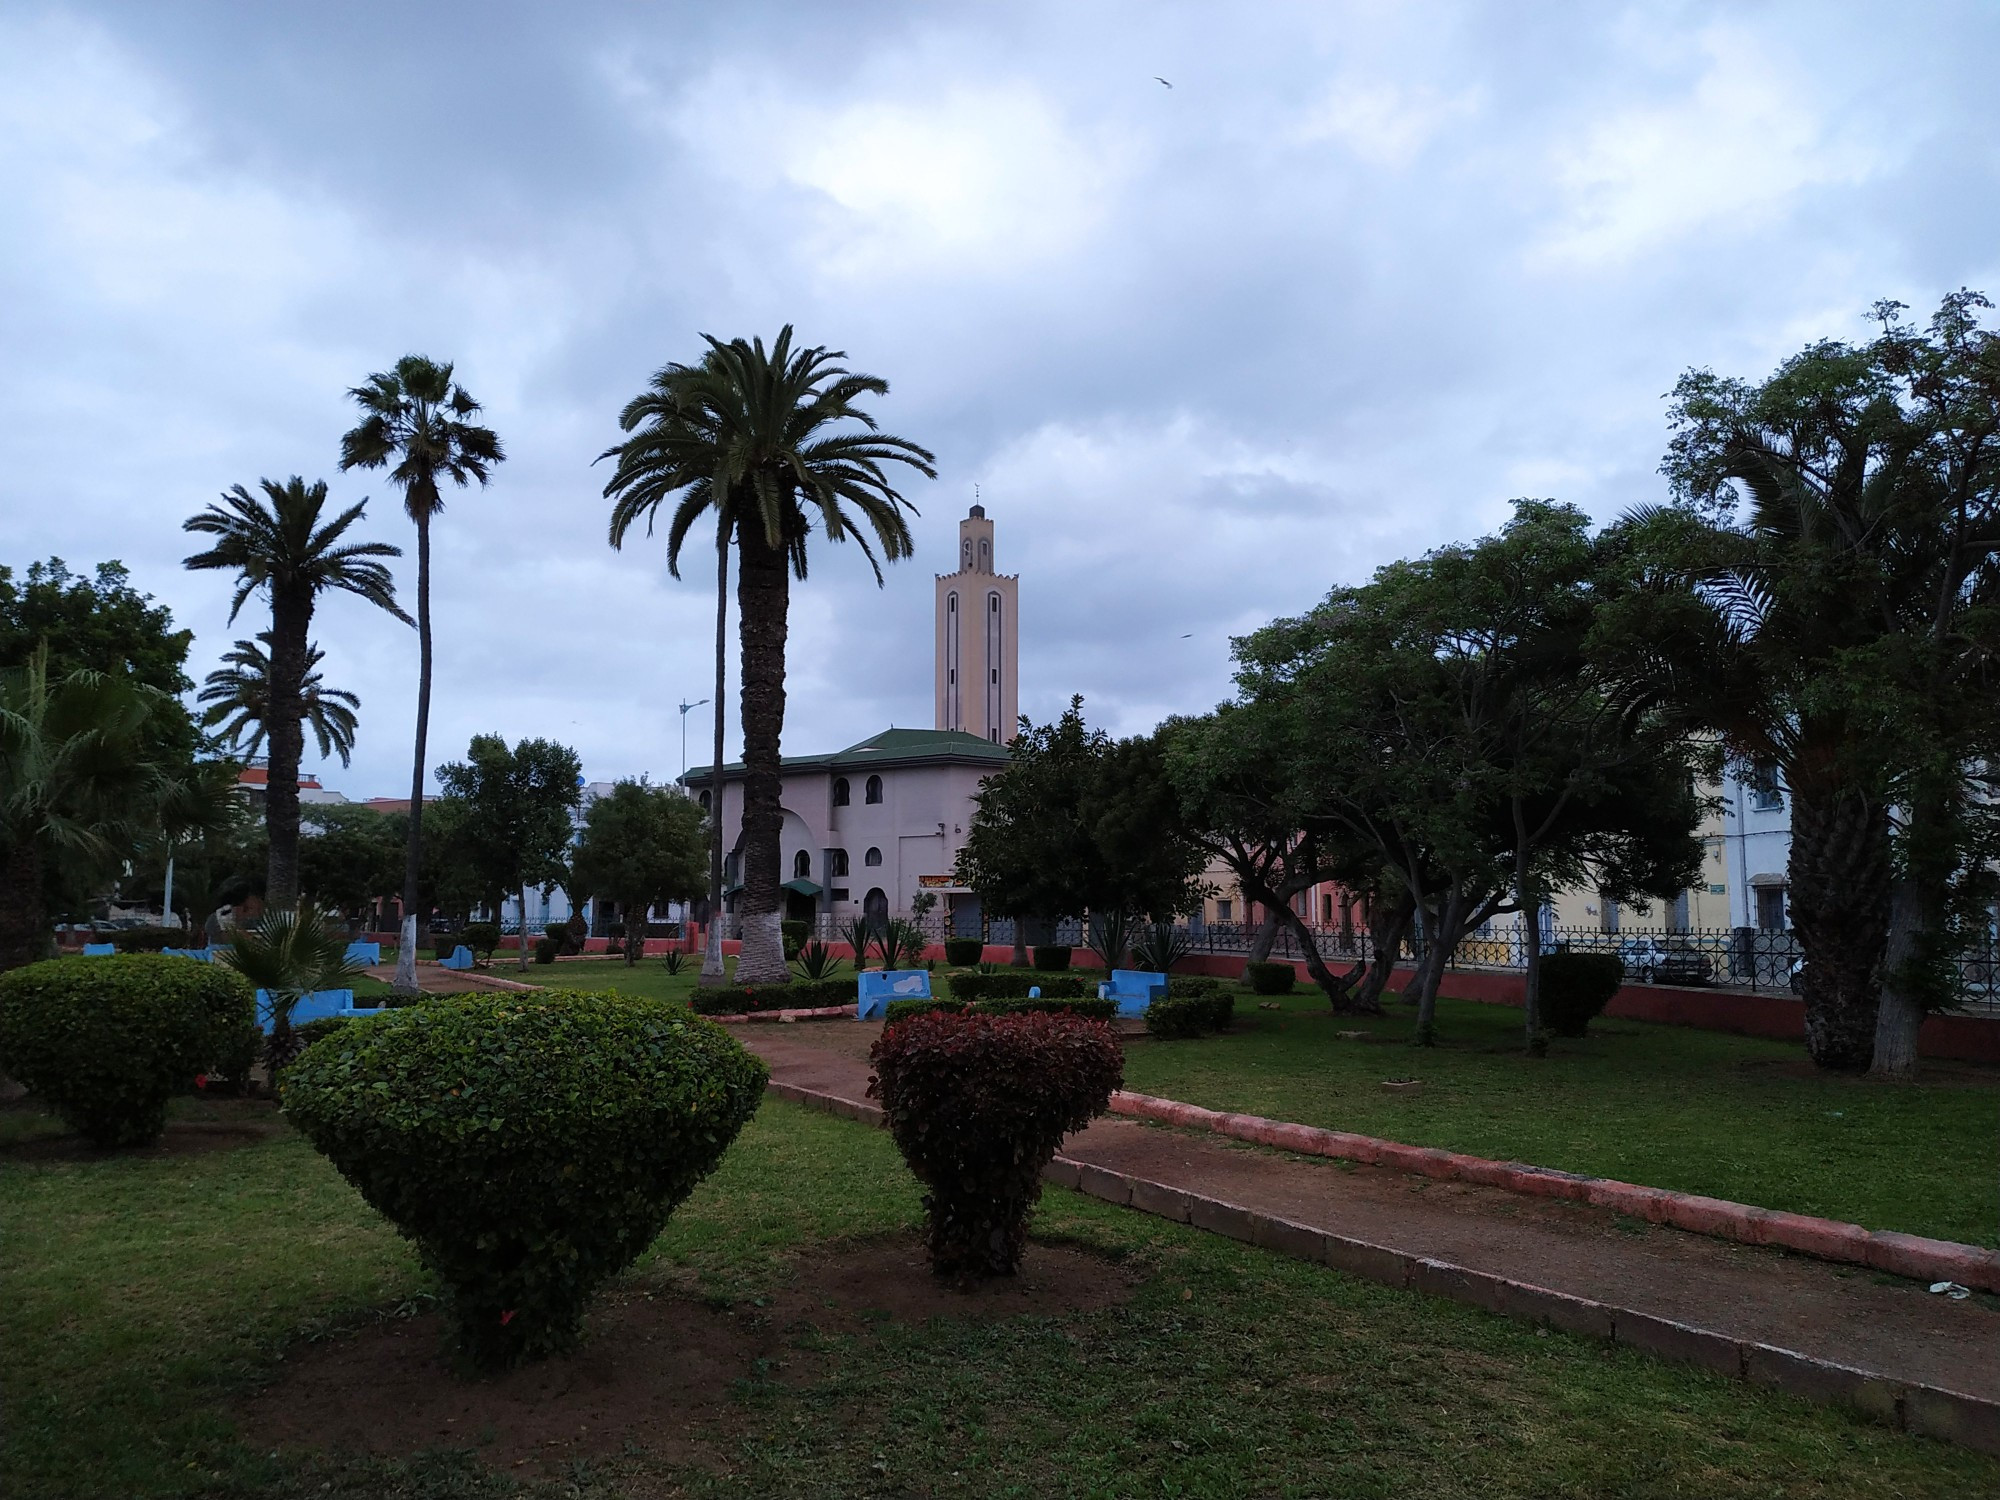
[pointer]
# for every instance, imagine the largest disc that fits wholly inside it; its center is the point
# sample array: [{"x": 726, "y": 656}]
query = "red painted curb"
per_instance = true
[{"x": 1828, "y": 1239}]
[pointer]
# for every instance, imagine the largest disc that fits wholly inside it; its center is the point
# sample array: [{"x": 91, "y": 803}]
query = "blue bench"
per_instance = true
[
  {"x": 199, "y": 955},
  {"x": 461, "y": 958},
  {"x": 314, "y": 1007},
  {"x": 1133, "y": 989},
  {"x": 99, "y": 950},
  {"x": 879, "y": 986},
  {"x": 364, "y": 953}
]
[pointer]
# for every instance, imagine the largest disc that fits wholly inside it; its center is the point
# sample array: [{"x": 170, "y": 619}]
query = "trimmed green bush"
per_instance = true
[
  {"x": 151, "y": 939},
  {"x": 530, "y": 1146},
  {"x": 977, "y": 1105},
  {"x": 1014, "y": 984},
  {"x": 1187, "y": 986},
  {"x": 308, "y": 1032},
  {"x": 1052, "y": 957},
  {"x": 106, "y": 1042},
  {"x": 1575, "y": 989},
  {"x": 481, "y": 937},
  {"x": 793, "y": 935},
  {"x": 547, "y": 948},
  {"x": 1054, "y": 1005},
  {"x": 736, "y": 1000},
  {"x": 902, "y": 1009},
  {"x": 1271, "y": 979},
  {"x": 963, "y": 953},
  {"x": 1178, "y": 1017}
]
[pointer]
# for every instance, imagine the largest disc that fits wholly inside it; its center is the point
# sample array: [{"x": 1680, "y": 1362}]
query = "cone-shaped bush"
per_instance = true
[
  {"x": 529, "y": 1145},
  {"x": 106, "y": 1042},
  {"x": 978, "y": 1105}
]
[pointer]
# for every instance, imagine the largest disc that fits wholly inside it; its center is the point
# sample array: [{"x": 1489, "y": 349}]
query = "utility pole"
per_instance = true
[{"x": 685, "y": 707}]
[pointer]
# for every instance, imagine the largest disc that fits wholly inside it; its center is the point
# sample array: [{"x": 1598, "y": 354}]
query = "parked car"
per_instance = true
[{"x": 1652, "y": 960}]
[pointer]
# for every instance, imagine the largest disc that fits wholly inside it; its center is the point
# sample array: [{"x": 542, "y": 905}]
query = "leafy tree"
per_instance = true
[
  {"x": 281, "y": 545},
  {"x": 760, "y": 437},
  {"x": 1842, "y": 630},
  {"x": 518, "y": 808},
  {"x": 349, "y": 856},
  {"x": 417, "y": 418},
  {"x": 642, "y": 846},
  {"x": 238, "y": 695},
  {"x": 78, "y": 788}
]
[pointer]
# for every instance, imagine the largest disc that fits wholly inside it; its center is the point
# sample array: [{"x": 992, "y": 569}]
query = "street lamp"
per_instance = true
[{"x": 685, "y": 706}]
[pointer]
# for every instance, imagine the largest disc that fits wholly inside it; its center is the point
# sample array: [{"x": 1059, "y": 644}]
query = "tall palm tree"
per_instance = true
[
  {"x": 746, "y": 434},
  {"x": 78, "y": 788},
  {"x": 418, "y": 417},
  {"x": 238, "y": 695},
  {"x": 282, "y": 546}
]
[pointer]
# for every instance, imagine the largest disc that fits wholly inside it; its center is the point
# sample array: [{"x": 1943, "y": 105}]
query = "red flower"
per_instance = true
[
  {"x": 506, "y": 1317},
  {"x": 201, "y": 1080}
]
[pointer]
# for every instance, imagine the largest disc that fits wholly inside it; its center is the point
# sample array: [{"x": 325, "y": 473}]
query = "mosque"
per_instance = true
[{"x": 869, "y": 827}]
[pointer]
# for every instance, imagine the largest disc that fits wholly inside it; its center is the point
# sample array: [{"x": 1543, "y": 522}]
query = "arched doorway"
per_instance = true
[{"x": 875, "y": 908}]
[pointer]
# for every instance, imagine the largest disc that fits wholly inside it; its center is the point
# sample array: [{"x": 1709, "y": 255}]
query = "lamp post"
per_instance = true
[{"x": 685, "y": 706}]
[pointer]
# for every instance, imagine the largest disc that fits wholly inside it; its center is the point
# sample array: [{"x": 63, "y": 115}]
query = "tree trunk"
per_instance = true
[
  {"x": 413, "y": 856},
  {"x": 24, "y": 926},
  {"x": 1932, "y": 847},
  {"x": 1388, "y": 925},
  {"x": 762, "y": 603},
  {"x": 1266, "y": 937},
  {"x": 1840, "y": 899},
  {"x": 1338, "y": 990},
  {"x": 1021, "y": 959},
  {"x": 284, "y": 732},
  {"x": 635, "y": 932},
  {"x": 1531, "y": 989},
  {"x": 711, "y": 948},
  {"x": 1901, "y": 1015},
  {"x": 1437, "y": 951}
]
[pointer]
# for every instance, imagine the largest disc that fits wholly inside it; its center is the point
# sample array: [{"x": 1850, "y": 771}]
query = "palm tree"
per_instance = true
[
  {"x": 239, "y": 697},
  {"x": 416, "y": 416},
  {"x": 289, "y": 954},
  {"x": 77, "y": 789},
  {"x": 744, "y": 434},
  {"x": 280, "y": 545}
]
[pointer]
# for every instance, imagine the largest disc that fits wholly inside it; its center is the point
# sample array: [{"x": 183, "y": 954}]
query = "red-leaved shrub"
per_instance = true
[{"x": 977, "y": 1104}]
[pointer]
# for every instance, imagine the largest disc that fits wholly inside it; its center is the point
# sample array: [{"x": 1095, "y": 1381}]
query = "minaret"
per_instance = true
[{"x": 978, "y": 628}]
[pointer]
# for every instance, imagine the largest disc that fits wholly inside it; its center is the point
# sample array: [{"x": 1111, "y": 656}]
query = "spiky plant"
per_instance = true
[{"x": 289, "y": 953}]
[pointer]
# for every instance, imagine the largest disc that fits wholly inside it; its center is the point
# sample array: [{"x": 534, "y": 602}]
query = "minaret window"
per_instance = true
[
  {"x": 839, "y": 792},
  {"x": 872, "y": 857},
  {"x": 802, "y": 866},
  {"x": 874, "y": 789}
]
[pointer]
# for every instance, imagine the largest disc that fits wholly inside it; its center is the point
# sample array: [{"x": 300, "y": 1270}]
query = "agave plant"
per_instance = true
[
  {"x": 676, "y": 960},
  {"x": 816, "y": 961},
  {"x": 1161, "y": 945},
  {"x": 859, "y": 935},
  {"x": 1109, "y": 936},
  {"x": 289, "y": 954},
  {"x": 902, "y": 943}
]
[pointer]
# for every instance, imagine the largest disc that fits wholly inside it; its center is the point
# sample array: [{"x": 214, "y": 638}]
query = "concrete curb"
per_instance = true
[
  {"x": 1909, "y": 1255},
  {"x": 1928, "y": 1411},
  {"x": 824, "y": 1012}
]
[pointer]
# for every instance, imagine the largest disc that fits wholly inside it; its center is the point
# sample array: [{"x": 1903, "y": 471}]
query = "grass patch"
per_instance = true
[
  {"x": 141, "y": 1294},
  {"x": 1669, "y": 1106}
]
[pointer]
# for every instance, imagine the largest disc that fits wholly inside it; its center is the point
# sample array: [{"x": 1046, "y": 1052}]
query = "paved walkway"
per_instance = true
[{"x": 1892, "y": 1330}]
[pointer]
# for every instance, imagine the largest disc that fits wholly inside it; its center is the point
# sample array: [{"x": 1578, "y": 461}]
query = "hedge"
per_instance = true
[
  {"x": 734, "y": 1000},
  {"x": 963, "y": 953},
  {"x": 1052, "y": 956},
  {"x": 530, "y": 1146},
  {"x": 899, "y": 1010},
  {"x": 1179, "y": 1017},
  {"x": 106, "y": 1042},
  {"x": 1014, "y": 984},
  {"x": 1576, "y": 987},
  {"x": 1080, "y": 1005},
  {"x": 1270, "y": 978},
  {"x": 977, "y": 1105}
]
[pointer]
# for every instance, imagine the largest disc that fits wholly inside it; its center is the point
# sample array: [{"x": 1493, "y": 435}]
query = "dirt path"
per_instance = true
[{"x": 1842, "y": 1314}]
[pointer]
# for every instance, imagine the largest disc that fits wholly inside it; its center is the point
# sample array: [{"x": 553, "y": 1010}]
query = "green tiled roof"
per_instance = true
[{"x": 892, "y": 747}]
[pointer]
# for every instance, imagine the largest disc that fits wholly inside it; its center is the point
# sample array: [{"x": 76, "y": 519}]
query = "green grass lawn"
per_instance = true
[
  {"x": 1732, "y": 1117},
  {"x": 142, "y": 1294}
]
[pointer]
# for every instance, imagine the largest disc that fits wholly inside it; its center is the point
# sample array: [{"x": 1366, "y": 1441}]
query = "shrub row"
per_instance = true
[
  {"x": 150, "y": 939},
  {"x": 1271, "y": 978},
  {"x": 1088, "y": 1006},
  {"x": 1052, "y": 956},
  {"x": 1175, "y": 1017},
  {"x": 1014, "y": 984},
  {"x": 733, "y": 1000},
  {"x": 106, "y": 1042},
  {"x": 978, "y": 1104},
  {"x": 963, "y": 953},
  {"x": 1576, "y": 987},
  {"x": 530, "y": 1146}
]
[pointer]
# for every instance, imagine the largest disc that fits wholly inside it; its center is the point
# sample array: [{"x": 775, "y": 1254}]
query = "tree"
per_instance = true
[
  {"x": 282, "y": 547},
  {"x": 1841, "y": 631},
  {"x": 289, "y": 953},
  {"x": 238, "y": 695},
  {"x": 518, "y": 815},
  {"x": 418, "y": 417},
  {"x": 349, "y": 855},
  {"x": 642, "y": 846},
  {"x": 759, "y": 438},
  {"x": 78, "y": 788}
]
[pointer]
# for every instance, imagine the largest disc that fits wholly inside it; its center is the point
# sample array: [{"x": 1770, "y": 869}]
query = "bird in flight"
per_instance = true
[
  {"x": 1161, "y": 81},
  {"x": 1189, "y": 636}
]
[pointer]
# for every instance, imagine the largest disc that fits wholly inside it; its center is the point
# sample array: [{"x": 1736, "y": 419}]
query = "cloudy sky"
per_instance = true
[{"x": 1361, "y": 274}]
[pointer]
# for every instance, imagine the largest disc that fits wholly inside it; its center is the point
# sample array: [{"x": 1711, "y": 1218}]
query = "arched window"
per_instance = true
[
  {"x": 836, "y": 863},
  {"x": 872, "y": 857},
  {"x": 875, "y": 908},
  {"x": 802, "y": 866},
  {"x": 874, "y": 788},
  {"x": 704, "y": 801},
  {"x": 839, "y": 792}
]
